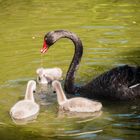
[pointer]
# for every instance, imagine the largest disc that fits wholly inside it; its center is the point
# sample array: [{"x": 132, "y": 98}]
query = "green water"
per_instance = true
[{"x": 110, "y": 33}]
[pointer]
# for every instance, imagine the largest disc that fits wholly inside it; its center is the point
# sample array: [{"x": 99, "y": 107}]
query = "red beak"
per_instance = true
[{"x": 45, "y": 47}]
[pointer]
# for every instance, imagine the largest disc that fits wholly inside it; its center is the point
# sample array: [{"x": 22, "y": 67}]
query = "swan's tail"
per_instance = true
[
  {"x": 135, "y": 85},
  {"x": 135, "y": 77},
  {"x": 122, "y": 83}
]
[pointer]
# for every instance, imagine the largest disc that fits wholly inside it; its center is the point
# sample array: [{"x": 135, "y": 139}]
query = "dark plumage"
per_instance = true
[{"x": 120, "y": 83}]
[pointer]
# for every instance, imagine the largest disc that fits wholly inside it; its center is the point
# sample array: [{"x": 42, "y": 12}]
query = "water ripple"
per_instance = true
[{"x": 103, "y": 27}]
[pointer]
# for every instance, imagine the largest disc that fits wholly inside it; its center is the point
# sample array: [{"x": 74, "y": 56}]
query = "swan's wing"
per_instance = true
[
  {"x": 125, "y": 75},
  {"x": 117, "y": 83},
  {"x": 56, "y": 73},
  {"x": 47, "y": 75},
  {"x": 80, "y": 104}
]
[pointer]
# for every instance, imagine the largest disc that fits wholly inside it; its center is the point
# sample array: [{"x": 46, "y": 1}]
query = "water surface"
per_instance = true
[{"x": 109, "y": 30}]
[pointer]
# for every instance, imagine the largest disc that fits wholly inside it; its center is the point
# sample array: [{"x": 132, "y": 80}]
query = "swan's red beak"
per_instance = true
[{"x": 45, "y": 47}]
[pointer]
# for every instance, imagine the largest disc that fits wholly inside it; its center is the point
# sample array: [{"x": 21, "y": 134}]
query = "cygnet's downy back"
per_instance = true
[{"x": 45, "y": 76}]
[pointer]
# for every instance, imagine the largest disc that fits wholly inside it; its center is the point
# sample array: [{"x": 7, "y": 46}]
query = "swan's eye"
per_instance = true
[
  {"x": 33, "y": 91},
  {"x": 54, "y": 91}
]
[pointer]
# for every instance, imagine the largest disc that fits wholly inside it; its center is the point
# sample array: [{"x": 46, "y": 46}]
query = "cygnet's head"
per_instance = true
[
  {"x": 41, "y": 77},
  {"x": 56, "y": 84}
]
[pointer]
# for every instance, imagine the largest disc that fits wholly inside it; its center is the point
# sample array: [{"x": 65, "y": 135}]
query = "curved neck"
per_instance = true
[
  {"x": 69, "y": 82},
  {"x": 61, "y": 98},
  {"x": 29, "y": 93}
]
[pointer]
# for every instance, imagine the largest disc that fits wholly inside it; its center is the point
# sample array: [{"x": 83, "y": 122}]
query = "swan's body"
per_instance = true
[
  {"x": 77, "y": 104},
  {"x": 48, "y": 75},
  {"x": 26, "y": 108},
  {"x": 120, "y": 83}
]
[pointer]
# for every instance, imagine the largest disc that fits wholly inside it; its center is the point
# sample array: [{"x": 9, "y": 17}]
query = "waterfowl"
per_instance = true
[
  {"x": 119, "y": 83},
  {"x": 27, "y": 107},
  {"x": 76, "y": 104},
  {"x": 47, "y": 75}
]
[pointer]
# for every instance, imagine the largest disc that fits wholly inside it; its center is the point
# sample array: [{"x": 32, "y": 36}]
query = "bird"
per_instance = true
[
  {"x": 76, "y": 104},
  {"x": 27, "y": 107},
  {"x": 119, "y": 83},
  {"x": 47, "y": 75}
]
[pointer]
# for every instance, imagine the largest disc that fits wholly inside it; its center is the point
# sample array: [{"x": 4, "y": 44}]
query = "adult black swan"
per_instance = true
[{"x": 120, "y": 83}]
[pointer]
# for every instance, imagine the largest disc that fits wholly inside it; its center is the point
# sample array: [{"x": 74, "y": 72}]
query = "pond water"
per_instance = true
[{"x": 109, "y": 30}]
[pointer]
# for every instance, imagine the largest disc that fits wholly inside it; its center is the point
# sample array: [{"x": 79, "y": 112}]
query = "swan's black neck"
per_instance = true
[{"x": 69, "y": 82}]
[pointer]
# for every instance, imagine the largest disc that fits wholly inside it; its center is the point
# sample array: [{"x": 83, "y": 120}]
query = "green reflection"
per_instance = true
[{"x": 110, "y": 33}]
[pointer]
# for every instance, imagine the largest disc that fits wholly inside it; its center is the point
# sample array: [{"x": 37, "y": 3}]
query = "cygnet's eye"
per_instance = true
[
  {"x": 54, "y": 91},
  {"x": 34, "y": 91},
  {"x": 39, "y": 78}
]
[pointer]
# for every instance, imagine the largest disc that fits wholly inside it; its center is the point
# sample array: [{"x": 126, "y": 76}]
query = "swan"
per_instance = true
[
  {"x": 27, "y": 107},
  {"x": 76, "y": 104},
  {"x": 119, "y": 83},
  {"x": 47, "y": 75}
]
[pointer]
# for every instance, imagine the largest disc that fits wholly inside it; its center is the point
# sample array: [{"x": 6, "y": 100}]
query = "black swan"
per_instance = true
[{"x": 120, "y": 83}]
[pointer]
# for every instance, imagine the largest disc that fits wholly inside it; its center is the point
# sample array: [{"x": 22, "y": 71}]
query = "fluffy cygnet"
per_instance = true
[
  {"x": 48, "y": 75},
  {"x": 77, "y": 104},
  {"x": 26, "y": 107}
]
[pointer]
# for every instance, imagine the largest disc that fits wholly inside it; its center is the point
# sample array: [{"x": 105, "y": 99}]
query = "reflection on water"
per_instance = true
[
  {"x": 25, "y": 121},
  {"x": 94, "y": 115},
  {"x": 109, "y": 30}
]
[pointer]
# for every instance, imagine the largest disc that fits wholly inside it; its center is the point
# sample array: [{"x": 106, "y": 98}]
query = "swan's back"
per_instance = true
[
  {"x": 46, "y": 75},
  {"x": 80, "y": 104},
  {"x": 120, "y": 83},
  {"x": 24, "y": 109},
  {"x": 56, "y": 73}
]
